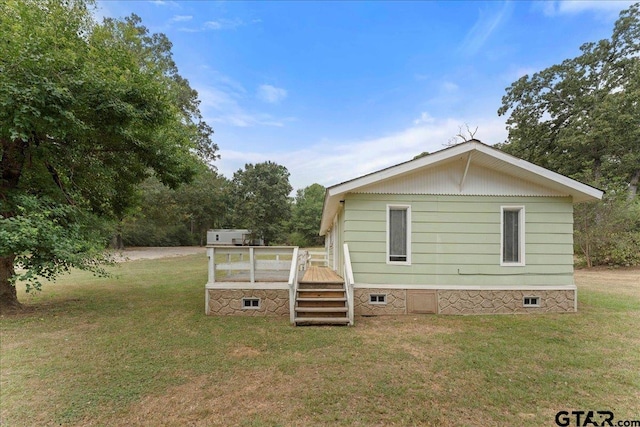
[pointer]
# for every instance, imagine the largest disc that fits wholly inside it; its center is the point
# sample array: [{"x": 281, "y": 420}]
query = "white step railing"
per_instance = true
[
  {"x": 298, "y": 260},
  {"x": 348, "y": 282}
]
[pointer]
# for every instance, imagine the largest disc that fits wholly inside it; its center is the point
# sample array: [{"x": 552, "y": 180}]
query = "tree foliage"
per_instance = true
[
  {"x": 608, "y": 233},
  {"x": 181, "y": 216},
  {"x": 260, "y": 200},
  {"x": 87, "y": 111},
  {"x": 581, "y": 118},
  {"x": 307, "y": 214}
]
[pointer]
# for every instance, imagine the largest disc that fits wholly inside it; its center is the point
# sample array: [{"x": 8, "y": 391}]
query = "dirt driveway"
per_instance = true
[{"x": 135, "y": 253}]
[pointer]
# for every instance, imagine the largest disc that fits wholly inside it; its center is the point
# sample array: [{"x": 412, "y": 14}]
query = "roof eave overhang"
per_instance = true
[{"x": 578, "y": 191}]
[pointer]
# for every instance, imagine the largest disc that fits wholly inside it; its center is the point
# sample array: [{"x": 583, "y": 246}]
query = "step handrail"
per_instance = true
[
  {"x": 293, "y": 282},
  {"x": 348, "y": 282}
]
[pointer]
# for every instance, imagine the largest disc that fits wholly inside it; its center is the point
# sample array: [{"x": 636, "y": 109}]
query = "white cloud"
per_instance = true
[
  {"x": 223, "y": 105},
  {"x": 485, "y": 25},
  {"x": 271, "y": 94},
  {"x": 611, "y": 7},
  {"x": 332, "y": 162},
  {"x": 224, "y": 100},
  {"x": 190, "y": 30},
  {"x": 216, "y": 25},
  {"x": 182, "y": 18},
  {"x": 424, "y": 118},
  {"x": 223, "y": 24},
  {"x": 165, "y": 3}
]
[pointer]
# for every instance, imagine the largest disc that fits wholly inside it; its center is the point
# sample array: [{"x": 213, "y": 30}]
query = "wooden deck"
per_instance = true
[{"x": 316, "y": 274}]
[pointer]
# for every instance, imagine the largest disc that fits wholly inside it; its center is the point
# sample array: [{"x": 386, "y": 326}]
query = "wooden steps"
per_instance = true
[
  {"x": 322, "y": 321},
  {"x": 321, "y": 299},
  {"x": 325, "y": 309}
]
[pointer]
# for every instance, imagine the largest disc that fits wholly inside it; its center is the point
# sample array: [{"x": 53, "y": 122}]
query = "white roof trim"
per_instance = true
[{"x": 579, "y": 191}]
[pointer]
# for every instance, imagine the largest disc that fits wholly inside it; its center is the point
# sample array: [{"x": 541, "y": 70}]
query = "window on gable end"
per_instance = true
[
  {"x": 398, "y": 234},
  {"x": 512, "y": 244}
]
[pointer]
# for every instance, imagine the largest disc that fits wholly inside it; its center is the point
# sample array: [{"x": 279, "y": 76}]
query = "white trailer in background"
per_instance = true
[{"x": 236, "y": 237}]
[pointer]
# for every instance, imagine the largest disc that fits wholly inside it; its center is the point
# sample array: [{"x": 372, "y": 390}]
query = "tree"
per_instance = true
[
  {"x": 181, "y": 216},
  {"x": 158, "y": 219},
  {"x": 260, "y": 199},
  {"x": 307, "y": 214},
  {"x": 581, "y": 118},
  {"x": 205, "y": 203},
  {"x": 463, "y": 135},
  {"x": 87, "y": 111}
]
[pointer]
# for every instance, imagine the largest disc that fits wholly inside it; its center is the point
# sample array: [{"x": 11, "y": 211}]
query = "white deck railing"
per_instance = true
[
  {"x": 318, "y": 258},
  {"x": 348, "y": 282},
  {"x": 250, "y": 264}
]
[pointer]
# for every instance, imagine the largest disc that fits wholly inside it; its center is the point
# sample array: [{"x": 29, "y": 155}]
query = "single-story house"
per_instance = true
[{"x": 465, "y": 230}]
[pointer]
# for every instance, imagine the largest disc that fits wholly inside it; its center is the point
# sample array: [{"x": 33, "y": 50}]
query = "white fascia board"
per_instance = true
[
  {"x": 329, "y": 210},
  {"x": 588, "y": 191},
  {"x": 402, "y": 168}
]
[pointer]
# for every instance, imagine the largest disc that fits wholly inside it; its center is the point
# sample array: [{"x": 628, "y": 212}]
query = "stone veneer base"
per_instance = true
[
  {"x": 462, "y": 302},
  {"x": 228, "y": 302},
  {"x": 275, "y": 302}
]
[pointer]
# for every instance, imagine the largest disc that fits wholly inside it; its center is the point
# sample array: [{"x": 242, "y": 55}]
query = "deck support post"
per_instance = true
[
  {"x": 252, "y": 266},
  {"x": 212, "y": 272}
]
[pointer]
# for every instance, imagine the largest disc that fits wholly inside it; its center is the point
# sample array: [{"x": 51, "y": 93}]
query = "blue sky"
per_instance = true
[{"x": 334, "y": 90}]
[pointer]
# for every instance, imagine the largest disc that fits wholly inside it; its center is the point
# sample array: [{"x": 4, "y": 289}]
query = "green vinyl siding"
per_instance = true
[{"x": 455, "y": 240}]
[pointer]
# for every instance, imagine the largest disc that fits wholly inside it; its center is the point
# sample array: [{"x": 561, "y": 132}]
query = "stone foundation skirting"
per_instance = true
[
  {"x": 504, "y": 302},
  {"x": 275, "y": 302},
  {"x": 396, "y": 302},
  {"x": 465, "y": 301},
  {"x": 228, "y": 302}
]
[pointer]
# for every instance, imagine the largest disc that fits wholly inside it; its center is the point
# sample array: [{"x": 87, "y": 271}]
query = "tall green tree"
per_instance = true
[
  {"x": 260, "y": 199},
  {"x": 87, "y": 111},
  {"x": 581, "y": 118},
  {"x": 180, "y": 216},
  {"x": 205, "y": 203},
  {"x": 307, "y": 214}
]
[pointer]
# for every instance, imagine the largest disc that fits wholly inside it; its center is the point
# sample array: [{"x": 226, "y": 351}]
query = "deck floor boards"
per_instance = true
[{"x": 317, "y": 274}]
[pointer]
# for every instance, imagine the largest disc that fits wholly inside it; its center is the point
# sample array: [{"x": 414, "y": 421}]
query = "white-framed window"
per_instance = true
[
  {"x": 531, "y": 301},
  {"x": 512, "y": 236},
  {"x": 399, "y": 234},
  {"x": 379, "y": 299},
  {"x": 250, "y": 303}
]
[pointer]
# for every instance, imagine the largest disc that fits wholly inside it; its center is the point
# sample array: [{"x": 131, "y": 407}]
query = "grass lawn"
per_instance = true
[{"x": 137, "y": 349}]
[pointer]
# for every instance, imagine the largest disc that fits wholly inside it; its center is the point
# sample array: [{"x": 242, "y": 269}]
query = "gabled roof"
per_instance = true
[{"x": 469, "y": 153}]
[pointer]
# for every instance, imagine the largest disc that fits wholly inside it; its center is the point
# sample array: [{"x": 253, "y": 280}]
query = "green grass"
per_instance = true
[{"x": 137, "y": 349}]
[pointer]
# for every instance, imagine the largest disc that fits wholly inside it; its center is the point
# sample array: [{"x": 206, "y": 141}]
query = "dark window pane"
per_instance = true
[
  {"x": 397, "y": 234},
  {"x": 510, "y": 233}
]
